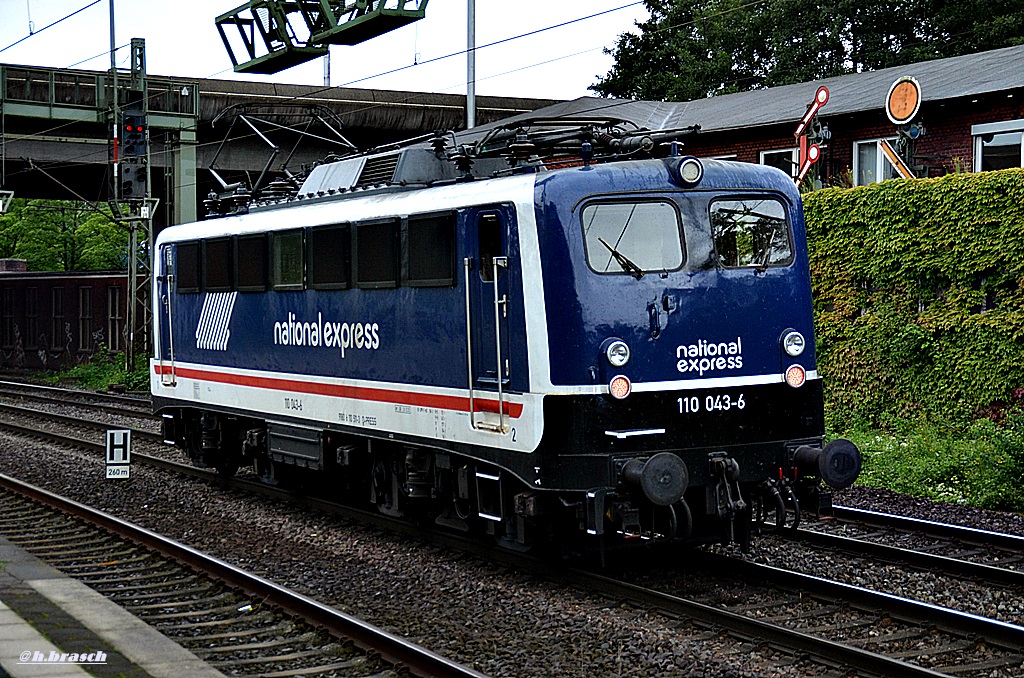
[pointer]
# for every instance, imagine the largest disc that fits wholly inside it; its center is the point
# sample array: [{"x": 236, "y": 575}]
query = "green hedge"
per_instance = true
[{"x": 918, "y": 298}]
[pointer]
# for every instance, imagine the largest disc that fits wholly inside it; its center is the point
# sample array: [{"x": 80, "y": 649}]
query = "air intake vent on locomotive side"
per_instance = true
[{"x": 378, "y": 170}]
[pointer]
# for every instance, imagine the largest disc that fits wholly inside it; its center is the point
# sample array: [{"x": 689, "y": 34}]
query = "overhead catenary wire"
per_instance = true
[
  {"x": 320, "y": 90},
  {"x": 35, "y": 33},
  {"x": 603, "y": 106}
]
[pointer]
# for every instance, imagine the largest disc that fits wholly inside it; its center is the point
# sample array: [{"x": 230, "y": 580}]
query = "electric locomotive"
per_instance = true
[{"x": 567, "y": 333}]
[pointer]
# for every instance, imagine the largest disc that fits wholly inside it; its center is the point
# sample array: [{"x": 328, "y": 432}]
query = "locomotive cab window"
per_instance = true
[
  {"x": 632, "y": 237},
  {"x": 251, "y": 263},
  {"x": 187, "y": 267},
  {"x": 328, "y": 252},
  {"x": 751, "y": 233},
  {"x": 217, "y": 265},
  {"x": 376, "y": 254},
  {"x": 287, "y": 260},
  {"x": 430, "y": 250}
]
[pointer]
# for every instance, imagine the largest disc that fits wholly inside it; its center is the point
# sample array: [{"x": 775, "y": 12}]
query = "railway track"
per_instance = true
[
  {"x": 836, "y": 627},
  {"x": 992, "y": 558},
  {"x": 239, "y": 623},
  {"x": 107, "y": 402}
]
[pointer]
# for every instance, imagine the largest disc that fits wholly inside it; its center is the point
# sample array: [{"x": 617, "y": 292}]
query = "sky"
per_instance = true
[{"x": 182, "y": 41}]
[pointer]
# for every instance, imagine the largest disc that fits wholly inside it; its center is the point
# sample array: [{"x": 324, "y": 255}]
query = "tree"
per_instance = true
[
  {"x": 699, "y": 48},
  {"x": 54, "y": 235}
]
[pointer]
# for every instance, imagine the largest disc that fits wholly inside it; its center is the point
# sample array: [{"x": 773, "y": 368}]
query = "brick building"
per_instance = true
[
  {"x": 53, "y": 320},
  {"x": 971, "y": 114}
]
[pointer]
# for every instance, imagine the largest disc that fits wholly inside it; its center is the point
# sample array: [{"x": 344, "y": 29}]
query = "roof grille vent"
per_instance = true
[{"x": 378, "y": 170}]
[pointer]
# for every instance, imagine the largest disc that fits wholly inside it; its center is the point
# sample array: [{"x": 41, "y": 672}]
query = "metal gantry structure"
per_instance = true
[
  {"x": 269, "y": 36},
  {"x": 131, "y": 200}
]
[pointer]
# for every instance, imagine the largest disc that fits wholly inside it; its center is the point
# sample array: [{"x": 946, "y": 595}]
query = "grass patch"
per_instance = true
[
  {"x": 980, "y": 464},
  {"x": 104, "y": 369}
]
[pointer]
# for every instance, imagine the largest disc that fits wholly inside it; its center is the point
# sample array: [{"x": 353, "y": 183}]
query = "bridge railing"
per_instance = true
[{"x": 82, "y": 89}]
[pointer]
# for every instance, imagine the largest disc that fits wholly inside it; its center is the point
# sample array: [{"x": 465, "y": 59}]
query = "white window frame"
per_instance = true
[
  {"x": 881, "y": 162},
  {"x": 794, "y": 157},
  {"x": 978, "y": 131}
]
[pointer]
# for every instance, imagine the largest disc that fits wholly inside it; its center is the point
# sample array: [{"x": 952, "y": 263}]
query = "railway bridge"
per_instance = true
[{"x": 56, "y": 129}]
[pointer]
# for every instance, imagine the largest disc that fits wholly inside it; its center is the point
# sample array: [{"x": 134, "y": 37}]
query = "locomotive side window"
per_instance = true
[
  {"x": 430, "y": 250},
  {"x": 751, "y": 233},
  {"x": 251, "y": 262},
  {"x": 287, "y": 260},
  {"x": 217, "y": 256},
  {"x": 328, "y": 252},
  {"x": 376, "y": 254},
  {"x": 632, "y": 237},
  {"x": 186, "y": 273}
]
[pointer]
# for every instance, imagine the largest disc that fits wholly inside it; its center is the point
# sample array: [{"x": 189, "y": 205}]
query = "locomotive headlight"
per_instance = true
[
  {"x": 796, "y": 376},
  {"x": 619, "y": 387},
  {"x": 793, "y": 343},
  {"x": 691, "y": 171},
  {"x": 617, "y": 353}
]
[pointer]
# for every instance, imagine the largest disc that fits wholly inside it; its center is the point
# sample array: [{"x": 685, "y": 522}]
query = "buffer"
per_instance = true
[{"x": 272, "y": 35}]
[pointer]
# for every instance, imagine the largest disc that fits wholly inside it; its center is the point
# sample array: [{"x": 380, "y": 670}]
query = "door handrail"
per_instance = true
[
  {"x": 468, "y": 266},
  {"x": 169, "y": 285},
  {"x": 499, "y": 304}
]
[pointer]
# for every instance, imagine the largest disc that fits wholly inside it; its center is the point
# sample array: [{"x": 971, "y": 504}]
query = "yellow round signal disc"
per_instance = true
[{"x": 903, "y": 100}]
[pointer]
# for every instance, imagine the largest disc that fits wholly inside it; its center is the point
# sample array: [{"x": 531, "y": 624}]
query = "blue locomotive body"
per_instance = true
[{"x": 621, "y": 349}]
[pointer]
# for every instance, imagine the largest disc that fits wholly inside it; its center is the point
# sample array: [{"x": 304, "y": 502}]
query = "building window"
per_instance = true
[
  {"x": 786, "y": 159},
  {"x": 869, "y": 163},
  {"x": 115, "y": 318},
  {"x": 998, "y": 145},
  {"x": 32, "y": 317},
  {"x": 57, "y": 319},
  {"x": 84, "y": 318},
  {"x": 8, "y": 318}
]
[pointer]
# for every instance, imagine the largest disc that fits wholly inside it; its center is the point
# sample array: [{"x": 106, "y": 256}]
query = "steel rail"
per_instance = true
[
  {"x": 109, "y": 397},
  {"x": 972, "y": 535},
  {"x": 915, "y": 612},
  {"x": 848, "y": 655},
  {"x": 124, "y": 409},
  {"x": 1006, "y": 635},
  {"x": 76, "y": 421},
  {"x": 742, "y": 625},
  {"x": 921, "y": 559},
  {"x": 401, "y": 653}
]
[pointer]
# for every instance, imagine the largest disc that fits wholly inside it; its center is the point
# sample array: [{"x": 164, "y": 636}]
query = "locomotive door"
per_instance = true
[
  {"x": 486, "y": 274},
  {"x": 164, "y": 298}
]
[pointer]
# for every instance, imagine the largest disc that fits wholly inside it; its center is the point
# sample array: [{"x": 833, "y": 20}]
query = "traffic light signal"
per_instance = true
[
  {"x": 133, "y": 179},
  {"x": 133, "y": 135}
]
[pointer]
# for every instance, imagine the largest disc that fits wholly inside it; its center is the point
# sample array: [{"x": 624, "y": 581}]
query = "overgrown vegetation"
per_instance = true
[
  {"x": 104, "y": 369},
  {"x": 919, "y": 312}
]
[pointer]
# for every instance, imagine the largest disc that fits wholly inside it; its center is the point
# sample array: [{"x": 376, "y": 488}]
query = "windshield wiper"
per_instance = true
[{"x": 627, "y": 265}]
